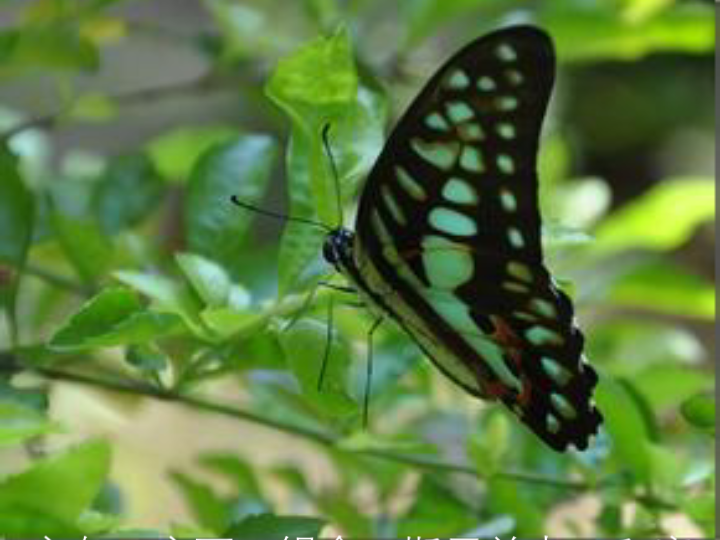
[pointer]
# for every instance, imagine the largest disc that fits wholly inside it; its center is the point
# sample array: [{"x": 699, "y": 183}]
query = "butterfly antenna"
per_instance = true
[
  {"x": 277, "y": 215},
  {"x": 333, "y": 166}
]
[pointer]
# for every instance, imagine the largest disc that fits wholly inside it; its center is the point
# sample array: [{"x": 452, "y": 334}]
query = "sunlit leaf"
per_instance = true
[
  {"x": 584, "y": 32},
  {"x": 113, "y": 317},
  {"x": 210, "y": 510},
  {"x": 69, "y": 482},
  {"x": 625, "y": 423},
  {"x": 679, "y": 205},
  {"x": 208, "y": 278},
  {"x": 174, "y": 153},
  {"x": 661, "y": 286},
  {"x": 318, "y": 86}
]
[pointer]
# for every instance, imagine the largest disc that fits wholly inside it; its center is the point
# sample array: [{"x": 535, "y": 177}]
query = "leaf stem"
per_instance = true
[{"x": 323, "y": 438}]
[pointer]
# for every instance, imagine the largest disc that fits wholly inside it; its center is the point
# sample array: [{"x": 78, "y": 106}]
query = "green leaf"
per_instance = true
[
  {"x": 88, "y": 249},
  {"x": 699, "y": 411},
  {"x": 338, "y": 507},
  {"x": 113, "y": 317},
  {"x": 305, "y": 78},
  {"x": 520, "y": 503},
  {"x": 240, "y": 472},
  {"x": 489, "y": 444},
  {"x": 210, "y": 510},
  {"x": 300, "y": 244},
  {"x": 584, "y": 32},
  {"x": 16, "y": 211},
  {"x": 18, "y": 423},
  {"x": 128, "y": 191},
  {"x": 214, "y": 226},
  {"x": 315, "y": 85},
  {"x": 625, "y": 423},
  {"x": 661, "y": 286},
  {"x": 702, "y": 511},
  {"x": 166, "y": 295},
  {"x": 667, "y": 386},
  {"x": 227, "y": 321},
  {"x": 61, "y": 486},
  {"x": 318, "y": 86},
  {"x": 174, "y": 153},
  {"x": 271, "y": 526},
  {"x": 208, "y": 278},
  {"x": 304, "y": 345},
  {"x": 680, "y": 205},
  {"x": 17, "y": 521},
  {"x": 436, "y": 512}
]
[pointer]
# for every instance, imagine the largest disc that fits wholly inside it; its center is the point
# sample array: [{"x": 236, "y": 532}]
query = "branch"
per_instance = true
[
  {"x": 207, "y": 81},
  {"x": 323, "y": 438}
]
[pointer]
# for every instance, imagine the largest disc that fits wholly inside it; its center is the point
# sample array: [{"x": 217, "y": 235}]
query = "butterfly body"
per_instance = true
[{"x": 447, "y": 238}]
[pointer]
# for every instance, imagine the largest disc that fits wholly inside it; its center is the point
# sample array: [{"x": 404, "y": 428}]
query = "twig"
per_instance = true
[
  {"x": 143, "y": 95},
  {"x": 324, "y": 438}
]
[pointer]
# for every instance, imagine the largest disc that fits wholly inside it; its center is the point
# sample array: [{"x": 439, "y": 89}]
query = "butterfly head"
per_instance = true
[{"x": 338, "y": 247}]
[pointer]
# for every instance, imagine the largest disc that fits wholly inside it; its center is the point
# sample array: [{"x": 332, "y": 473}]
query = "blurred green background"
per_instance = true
[{"x": 146, "y": 387}]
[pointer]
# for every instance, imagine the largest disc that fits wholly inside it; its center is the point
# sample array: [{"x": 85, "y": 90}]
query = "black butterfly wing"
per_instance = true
[{"x": 448, "y": 237}]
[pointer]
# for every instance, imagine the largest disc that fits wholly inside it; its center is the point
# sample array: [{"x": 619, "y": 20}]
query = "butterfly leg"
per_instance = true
[
  {"x": 328, "y": 344},
  {"x": 368, "y": 376},
  {"x": 303, "y": 309},
  {"x": 337, "y": 287}
]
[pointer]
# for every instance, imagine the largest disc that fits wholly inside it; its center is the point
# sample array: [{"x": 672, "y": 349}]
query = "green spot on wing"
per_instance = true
[
  {"x": 515, "y": 238},
  {"x": 562, "y": 405},
  {"x": 506, "y": 130},
  {"x": 436, "y": 121},
  {"x": 486, "y": 84},
  {"x": 514, "y": 77},
  {"x": 555, "y": 371},
  {"x": 458, "y": 80},
  {"x": 471, "y": 159},
  {"x": 459, "y": 191},
  {"x": 410, "y": 185},
  {"x": 442, "y": 155},
  {"x": 392, "y": 205},
  {"x": 543, "y": 307},
  {"x": 506, "y": 53},
  {"x": 507, "y": 103},
  {"x": 459, "y": 111},
  {"x": 508, "y": 200},
  {"x": 470, "y": 131},
  {"x": 505, "y": 164},
  {"x": 520, "y": 271},
  {"x": 452, "y": 222},
  {"x": 552, "y": 424},
  {"x": 539, "y": 335},
  {"x": 446, "y": 266}
]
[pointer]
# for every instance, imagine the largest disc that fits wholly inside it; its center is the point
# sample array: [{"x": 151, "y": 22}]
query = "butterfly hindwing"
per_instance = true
[{"x": 448, "y": 237}]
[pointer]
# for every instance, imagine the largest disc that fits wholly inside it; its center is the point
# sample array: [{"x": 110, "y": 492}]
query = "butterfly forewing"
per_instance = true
[{"x": 448, "y": 237}]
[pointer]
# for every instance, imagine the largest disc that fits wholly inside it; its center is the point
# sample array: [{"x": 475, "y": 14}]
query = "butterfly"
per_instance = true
[{"x": 447, "y": 238}]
